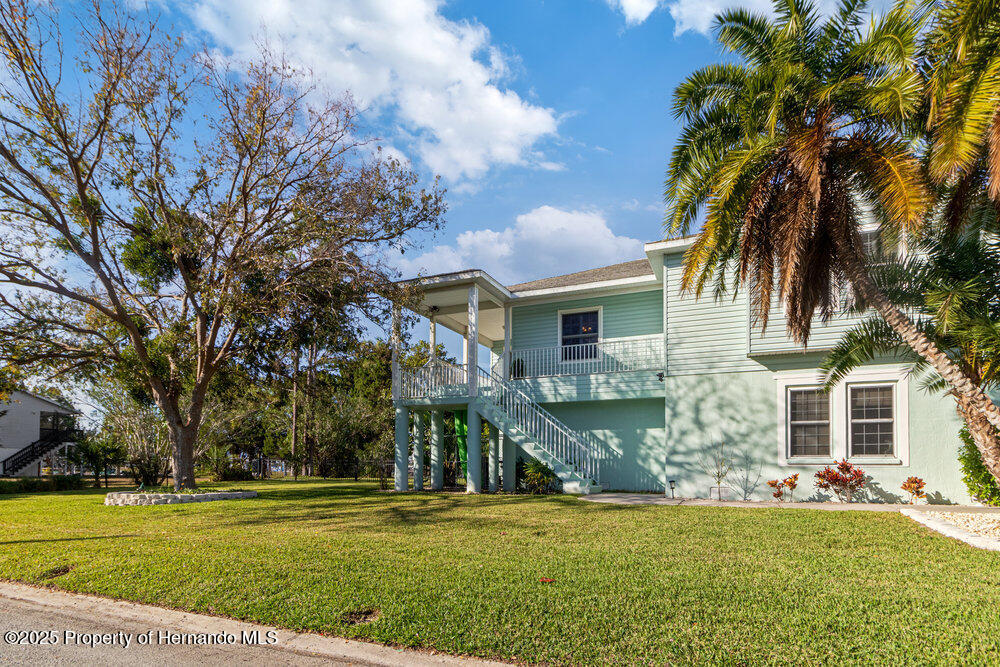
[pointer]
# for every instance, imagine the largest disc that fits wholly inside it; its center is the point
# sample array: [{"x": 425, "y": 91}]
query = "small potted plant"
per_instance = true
[{"x": 717, "y": 465}]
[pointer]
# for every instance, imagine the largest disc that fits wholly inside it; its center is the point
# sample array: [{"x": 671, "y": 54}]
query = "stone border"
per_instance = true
[
  {"x": 949, "y": 529},
  {"x": 139, "y": 498}
]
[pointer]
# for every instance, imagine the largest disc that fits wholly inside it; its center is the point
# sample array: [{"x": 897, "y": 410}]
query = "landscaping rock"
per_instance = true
[{"x": 123, "y": 498}]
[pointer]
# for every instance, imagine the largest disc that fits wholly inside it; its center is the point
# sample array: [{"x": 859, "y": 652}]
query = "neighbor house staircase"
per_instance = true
[
  {"x": 572, "y": 455},
  {"x": 25, "y": 456}
]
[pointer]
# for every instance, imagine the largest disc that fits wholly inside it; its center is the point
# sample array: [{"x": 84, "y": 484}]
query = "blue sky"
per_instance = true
[{"x": 548, "y": 120}]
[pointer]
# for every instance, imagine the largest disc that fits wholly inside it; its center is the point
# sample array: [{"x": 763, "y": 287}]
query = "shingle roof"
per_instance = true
[{"x": 633, "y": 269}]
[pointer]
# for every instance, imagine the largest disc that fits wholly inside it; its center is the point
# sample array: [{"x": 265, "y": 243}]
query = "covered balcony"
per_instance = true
[{"x": 477, "y": 307}]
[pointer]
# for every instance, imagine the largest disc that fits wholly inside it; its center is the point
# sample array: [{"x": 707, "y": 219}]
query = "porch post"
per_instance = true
[
  {"x": 494, "y": 458},
  {"x": 506, "y": 343},
  {"x": 419, "y": 424},
  {"x": 437, "y": 450},
  {"x": 433, "y": 337},
  {"x": 472, "y": 336},
  {"x": 401, "y": 478},
  {"x": 395, "y": 336},
  {"x": 474, "y": 474},
  {"x": 509, "y": 463}
]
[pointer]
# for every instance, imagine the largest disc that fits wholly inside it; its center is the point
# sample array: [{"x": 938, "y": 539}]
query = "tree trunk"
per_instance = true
[
  {"x": 182, "y": 439},
  {"x": 295, "y": 412},
  {"x": 985, "y": 437},
  {"x": 970, "y": 396}
]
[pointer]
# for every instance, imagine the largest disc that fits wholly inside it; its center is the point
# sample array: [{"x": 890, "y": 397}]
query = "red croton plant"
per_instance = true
[
  {"x": 781, "y": 486},
  {"x": 844, "y": 480},
  {"x": 915, "y": 487}
]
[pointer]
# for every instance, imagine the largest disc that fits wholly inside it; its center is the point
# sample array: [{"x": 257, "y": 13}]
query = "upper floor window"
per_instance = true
[
  {"x": 872, "y": 420},
  {"x": 579, "y": 332}
]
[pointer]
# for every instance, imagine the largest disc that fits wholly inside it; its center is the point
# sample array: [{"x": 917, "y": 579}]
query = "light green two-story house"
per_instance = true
[{"x": 619, "y": 381}]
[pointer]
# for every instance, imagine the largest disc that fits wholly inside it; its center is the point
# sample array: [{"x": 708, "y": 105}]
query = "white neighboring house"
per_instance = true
[{"x": 32, "y": 427}]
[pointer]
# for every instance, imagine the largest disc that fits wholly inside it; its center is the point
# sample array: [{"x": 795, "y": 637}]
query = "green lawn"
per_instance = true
[{"x": 461, "y": 574}]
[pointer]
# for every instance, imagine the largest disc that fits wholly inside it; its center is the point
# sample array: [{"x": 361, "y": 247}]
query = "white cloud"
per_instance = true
[
  {"x": 635, "y": 11},
  {"x": 698, "y": 15},
  {"x": 437, "y": 79},
  {"x": 545, "y": 241}
]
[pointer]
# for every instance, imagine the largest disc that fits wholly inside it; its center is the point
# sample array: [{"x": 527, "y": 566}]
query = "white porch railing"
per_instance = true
[
  {"x": 435, "y": 379},
  {"x": 610, "y": 356}
]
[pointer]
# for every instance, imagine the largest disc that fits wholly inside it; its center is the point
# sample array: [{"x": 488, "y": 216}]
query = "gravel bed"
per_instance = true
[{"x": 987, "y": 525}]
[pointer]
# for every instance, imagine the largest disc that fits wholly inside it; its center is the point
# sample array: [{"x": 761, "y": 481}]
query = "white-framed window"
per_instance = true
[
  {"x": 865, "y": 418},
  {"x": 871, "y": 419},
  {"x": 808, "y": 422},
  {"x": 579, "y": 333}
]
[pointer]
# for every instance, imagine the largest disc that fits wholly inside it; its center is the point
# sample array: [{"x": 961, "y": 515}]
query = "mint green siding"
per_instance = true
[
  {"x": 703, "y": 335},
  {"x": 775, "y": 340},
  {"x": 741, "y": 410},
  {"x": 633, "y": 433},
  {"x": 624, "y": 315},
  {"x": 596, "y": 387}
]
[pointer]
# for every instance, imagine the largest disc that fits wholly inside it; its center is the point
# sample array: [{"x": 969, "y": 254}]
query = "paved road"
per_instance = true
[
  {"x": 22, "y": 615},
  {"x": 69, "y": 623}
]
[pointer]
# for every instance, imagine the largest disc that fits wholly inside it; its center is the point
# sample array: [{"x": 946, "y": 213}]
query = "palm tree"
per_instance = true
[
  {"x": 962, "y": 58},
  {"x": 949, "y": 284},
  {"x": 788, "y": 151}
]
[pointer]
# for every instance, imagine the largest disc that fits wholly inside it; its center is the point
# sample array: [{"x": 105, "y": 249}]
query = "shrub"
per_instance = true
[
  {"x": 781, "y": 485},
  {"x": 233, "y": 474},
  {"x": 219, "y": 465},
  {"x": 37, "y": 484},
  {"x": 915, "y": 487},
  {"x": 980, "y": 483},
  {"x": 845, "y": 480},
  {"x": 536, "y": 477}
]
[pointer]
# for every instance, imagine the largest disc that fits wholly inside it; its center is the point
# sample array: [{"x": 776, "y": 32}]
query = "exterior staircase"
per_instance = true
[
  {"x": 29, "y": 454},
  {"x": 572, "y": 455}
]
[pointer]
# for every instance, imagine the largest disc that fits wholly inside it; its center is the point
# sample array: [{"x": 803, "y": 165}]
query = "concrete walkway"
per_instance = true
[
  {"x": 657, "y": 499},
  {"x": 40, "y": 626}
]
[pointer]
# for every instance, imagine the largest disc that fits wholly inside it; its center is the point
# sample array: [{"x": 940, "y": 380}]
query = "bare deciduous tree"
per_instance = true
[{"x": 163, "y": 212}]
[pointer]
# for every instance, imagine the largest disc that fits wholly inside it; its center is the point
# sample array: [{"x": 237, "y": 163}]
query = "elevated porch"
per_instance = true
[{"x": 500, "y": 391}]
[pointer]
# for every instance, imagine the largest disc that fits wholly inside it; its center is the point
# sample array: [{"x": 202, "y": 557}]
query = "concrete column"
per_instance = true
[
  {"x": 437, "y": 450},
  {"x": 474, "y": 476},
  {"x": 494, "y": 458},
  {"x": 472, "y": 335},
  {"x": 509, "y": 463},
  {"x": 419, "y": 425},
  {"x": 401, "y": 479}
]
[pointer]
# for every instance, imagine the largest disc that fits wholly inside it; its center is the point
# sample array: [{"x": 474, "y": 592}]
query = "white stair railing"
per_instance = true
[{"x": 575, "y": 449}]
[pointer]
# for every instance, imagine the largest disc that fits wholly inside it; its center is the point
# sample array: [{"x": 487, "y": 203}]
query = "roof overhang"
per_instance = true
[
  {"x": 586, "y": 289},
  {"x": 656, "y": 251},
  {"x": 445, "y": 297}
]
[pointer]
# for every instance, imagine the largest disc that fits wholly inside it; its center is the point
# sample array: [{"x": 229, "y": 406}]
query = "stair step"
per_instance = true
[{"x": 573, "y": 480}]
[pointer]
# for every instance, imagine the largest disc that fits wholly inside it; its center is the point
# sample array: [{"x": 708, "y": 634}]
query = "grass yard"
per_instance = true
[{"x": 461, "y": 574}]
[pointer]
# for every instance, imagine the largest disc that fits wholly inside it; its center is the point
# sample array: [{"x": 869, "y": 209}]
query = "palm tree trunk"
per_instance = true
[
  {"x": 971, "y": 398},
  {"x": 984, "y": 436}
]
